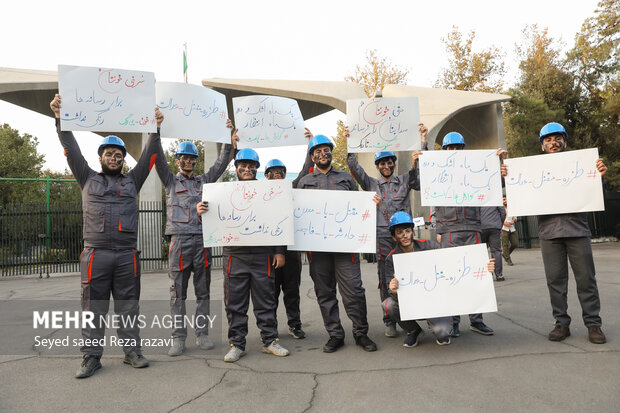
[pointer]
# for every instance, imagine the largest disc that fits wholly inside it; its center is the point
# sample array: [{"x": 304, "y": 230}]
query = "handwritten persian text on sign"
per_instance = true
[
  {"x": 192, "y": 112},
  {"x": 444, "y": 282},
  {"x": 248, "y": 213},
  {"x": 265, "y": 121},
  {"x": 383, "y": 124},
  {"x": 556, "y": 183},
  {"x": 460, "y": 178},
  {"x": 334, "y": 221},
  {"x": 106, "y": 100}
]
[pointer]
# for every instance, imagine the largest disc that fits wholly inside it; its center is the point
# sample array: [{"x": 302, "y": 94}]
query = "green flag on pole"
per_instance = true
[{"x": 185, "y": 62}]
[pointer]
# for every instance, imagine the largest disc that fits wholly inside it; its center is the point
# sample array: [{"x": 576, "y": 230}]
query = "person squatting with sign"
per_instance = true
[
  {"x": 110, "y": 260},
  {"x": 491, "y": 221},
  {"x": 328, "y": 269},
  {"x": 249, "y": 271},
  {"x": 187, "y": 252},
  {"x": 458, "y": 226},
  {"x": 567, "y": 237},
  {"x": 401, "y": 228},
  {"x": 392, "y": 195}
]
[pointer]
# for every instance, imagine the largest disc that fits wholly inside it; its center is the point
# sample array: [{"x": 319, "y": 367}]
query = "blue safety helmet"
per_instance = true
[
  {"x": 247, "y": 154},
  {"x": 317, "y": 141},
  {"x": 383, "y": 155},
  {"x": 112, "y": 140},
  {"x": 552, "y": 129},
  {"x": 187, "y": 148},
  {"x": 274, "y": 163},
  {"x": 400, "y": 217},
  {"x": 453, "y": 138}
]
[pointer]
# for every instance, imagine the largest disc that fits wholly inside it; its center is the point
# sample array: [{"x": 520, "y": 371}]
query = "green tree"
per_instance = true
[
  {"x": 373, "y": 76},
  {"x": 468, "y": 70},
  {"x": 19, "y": 159}
]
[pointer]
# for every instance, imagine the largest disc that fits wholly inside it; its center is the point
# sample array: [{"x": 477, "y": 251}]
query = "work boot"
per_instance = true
[
  {"x": 204, "y": 343},
  {"x": 481, "y": 328},
  {"x": 136, "y": 360},
  {"x": 296, "y": 332},
  {"x": 90, "y": 364},
  {"x": 234, "y": 354},
  {"x": 366, "y": 343},
  {"x": 177, "y": 348},
  {"x": 333, "y": 344},
  {"x": 596, "y": 335},
  {"x": 455, "y": 330},
  {"x": 276, "y": 349},
  {"x": 509, "y": 261},
  {"x": 390, "y": 330},
  {"x": 559, "y": 333}
]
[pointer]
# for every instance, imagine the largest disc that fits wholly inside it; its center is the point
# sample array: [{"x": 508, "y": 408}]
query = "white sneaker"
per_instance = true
[
  {"x": 276, "y": 349},
  {"x": 234, "y": 354},
  {"x": 177, "y": 347},
  {"x": 204, "y": 343}
]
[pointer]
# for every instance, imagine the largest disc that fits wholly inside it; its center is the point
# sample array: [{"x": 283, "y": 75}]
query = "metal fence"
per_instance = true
[{"x": 36, "y": 241}]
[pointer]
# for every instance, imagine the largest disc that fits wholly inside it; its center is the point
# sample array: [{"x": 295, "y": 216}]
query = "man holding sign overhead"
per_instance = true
[
  {"x": 187, "y": 253},
  {"x": 566, "y": 237},
  {"x": 110, "y": 262},
  {"x": 328, "y": 269},
  {"x": 392, "y": 195}
]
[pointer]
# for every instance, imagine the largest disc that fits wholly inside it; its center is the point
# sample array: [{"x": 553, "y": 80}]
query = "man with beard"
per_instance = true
[
  {"x": 329, "y": 269},
  {"x": 566, "y": 237},
  {"x": 187, "y": 252},
  {"x": 248, "y": 271},
  {"x": 392, "y": 195},
  {"x": 110, "y": 261}
]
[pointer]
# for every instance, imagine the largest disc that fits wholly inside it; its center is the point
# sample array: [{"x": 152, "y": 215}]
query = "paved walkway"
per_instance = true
[{"x": 517, "y": 369}]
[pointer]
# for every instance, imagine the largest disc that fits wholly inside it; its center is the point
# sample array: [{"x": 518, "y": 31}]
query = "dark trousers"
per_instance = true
[
  {"x": 458, "y": 239},
  {"x": 187, "y": 254},
  {"x": 117, "y": 272},
  {"x": 329, "y": 269},
  {"x": 248, "y": 275},
  {"x": 287, "y": 280},
  {"x": 510, "y": 242},
  {"x": 384, "y": 246},
  {"x": 441, "y": 326},
  {"x": 556, "y": 254},
  {"x": 492, "y": 237}
]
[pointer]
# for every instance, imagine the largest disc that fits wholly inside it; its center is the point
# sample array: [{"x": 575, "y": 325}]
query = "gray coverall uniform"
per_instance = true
[
  {"x": 110, "y": 261},
  {"x": 187, "y": 252},
  {"x": 441, "y": 326},
  {"x": 562, "y": 236},
  {"x": 492, "y": 221},
  {"x": 395, "y": 197},
  {"x": 248, "y": 271},
  {"x": 330, "y": 268}
]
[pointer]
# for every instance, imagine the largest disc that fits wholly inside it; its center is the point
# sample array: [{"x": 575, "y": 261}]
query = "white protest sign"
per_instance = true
[
  {"x": 444, "y": 282},
  {"x": 383, "y": 124},
  {"x": 555, "y": 183},
  {"x": 106, "y": 100},
  {"x": 248, "y": 213},
  {"x": 192, "y": 112},
  {"x": 334, "y": 221},
  {"x": 265, "y": 121},
  {"x": 460, "y": 178}
]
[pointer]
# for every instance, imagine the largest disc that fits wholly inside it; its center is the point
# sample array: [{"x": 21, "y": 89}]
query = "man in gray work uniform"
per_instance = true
[
  {"x": 187, "y": 252},
  {"x": 392, "y": 195},
  {"x": 458, "y": 226},
  {"x": 250, "y": 271},
  {"x": 330, "y": 268},
  {"x": 492, "y": 220},
  {"x": 110, "y": 261},
  {"x": 564, "y": 238}
]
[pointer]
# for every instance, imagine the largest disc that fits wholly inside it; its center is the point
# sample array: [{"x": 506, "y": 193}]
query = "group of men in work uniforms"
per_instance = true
[{"x": 110, "y": 261}]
